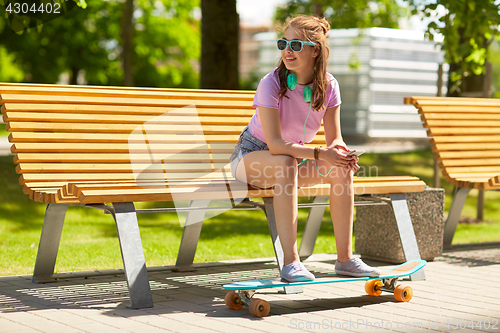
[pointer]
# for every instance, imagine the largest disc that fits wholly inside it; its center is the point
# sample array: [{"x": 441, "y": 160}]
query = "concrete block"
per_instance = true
[{"x": 377, "y": 235}]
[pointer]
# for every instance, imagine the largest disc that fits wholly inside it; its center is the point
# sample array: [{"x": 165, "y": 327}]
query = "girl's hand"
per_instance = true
[{"x": 336, "y": 155}]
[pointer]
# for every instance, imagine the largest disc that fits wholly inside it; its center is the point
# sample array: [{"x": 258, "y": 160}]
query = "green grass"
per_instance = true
[
  {"x": 3, "y": 132},
  {"x": 89, "y": 240}
]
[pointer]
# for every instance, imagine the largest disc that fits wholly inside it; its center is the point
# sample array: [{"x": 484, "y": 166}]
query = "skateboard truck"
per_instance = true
[{"x": 402, "y": 292}]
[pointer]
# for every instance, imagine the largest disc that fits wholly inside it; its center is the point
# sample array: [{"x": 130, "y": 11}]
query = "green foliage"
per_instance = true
[
  {"x": 9, "y": 72},
  {"x": 494, "y": 58},
  {"x": 468, "y": 27},
  {"x": 346, "y": 14},
  {"x": 28, "y": 14},
  {"x": 166, "y": 45}
]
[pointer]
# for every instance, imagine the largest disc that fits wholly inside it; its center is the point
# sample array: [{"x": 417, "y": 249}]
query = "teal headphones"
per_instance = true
[{"x": 291, "y": 82}]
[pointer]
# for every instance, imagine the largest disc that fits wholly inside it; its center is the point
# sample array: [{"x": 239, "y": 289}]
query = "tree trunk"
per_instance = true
[
  {"x": 74, "y": 75},
  {"x": 219, "y": 44},
  {"x": 318, "y": 9},
  {"x": 127, "y": 36}
]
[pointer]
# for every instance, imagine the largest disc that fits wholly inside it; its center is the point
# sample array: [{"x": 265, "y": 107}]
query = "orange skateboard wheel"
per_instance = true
[
  {"x": 372, "y": 287},
  {"x": 259, "y": 307},
  {"x": 233, "y": 301},
  {"x": 403, "y": 293}
]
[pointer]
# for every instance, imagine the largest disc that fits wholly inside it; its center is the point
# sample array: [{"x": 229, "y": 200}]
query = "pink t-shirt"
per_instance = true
[{"x": 293, "y": 110}]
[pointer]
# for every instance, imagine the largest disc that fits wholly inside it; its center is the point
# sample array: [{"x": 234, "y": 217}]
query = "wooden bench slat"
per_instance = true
[
  {"x": 76, "y": 188},
  {"x": 56, "y": 91},
  {"x": 460, "y": 147},
  {"x": 138, "y": 195},
  {"x": 466, "y": 139},
  {"x": 461, "y": 175},
  {"x": 117, "y": 138},
  {"x": 180, "y": 103},
  {"x": 462, "y": 131},
  {"x": 468, "y": 154},
  {"x": 49, "y": 86},
  {"x": 461, "y": 123},
  {"x": 120, "y": 128},
  {"x": 460, "y": 116},
  {"x": 420, "y": 101},
  {"x": 203, "y": 157},
  {"x": 120, "y": 148},
  {"x": 125, "y": 138},
  {"x": 129, "y": 176},
  {"x": 458, "y": 109},
  {"x": 469, "y": 162},
  {"x": 112, "y": 167},
  {"x": 164, "y": 120},
  {"x": 119, "y": 110},
  {"x": 473, "y": 169},
  {"x": 46, "y": 179},
  {"x": 72, "y": 188}
]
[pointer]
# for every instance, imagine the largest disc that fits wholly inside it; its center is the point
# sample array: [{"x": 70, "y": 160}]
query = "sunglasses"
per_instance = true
[{"x": 295, "y": 45}]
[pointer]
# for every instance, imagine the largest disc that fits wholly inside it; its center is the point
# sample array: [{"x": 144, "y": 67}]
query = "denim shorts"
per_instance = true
[{"x": 247, "y": 143}]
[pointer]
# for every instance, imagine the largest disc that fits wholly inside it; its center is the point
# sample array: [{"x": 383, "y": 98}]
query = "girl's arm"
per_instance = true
[
  {"x": 331, "y": 122},
  {"x": 336, "y": 150},
  {"x": 271, "y": 125}
]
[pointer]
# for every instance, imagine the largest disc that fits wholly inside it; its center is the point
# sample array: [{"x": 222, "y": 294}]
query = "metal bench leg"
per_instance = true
[
  {"x": 406, "y": 232},
  {"x": 190, "y": 236},
  {"x": 278, "y": 250},
  {"x": 454, "y": 215},
  {"x": 312, "y": 227},
  {"x": 49, "y": 243},
  {"x": 133, "y": 255}
]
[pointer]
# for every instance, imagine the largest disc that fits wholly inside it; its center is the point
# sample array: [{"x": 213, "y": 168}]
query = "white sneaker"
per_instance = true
[
  {"x": 355, "y": 267},
  {"x": 296, "y": 272}
]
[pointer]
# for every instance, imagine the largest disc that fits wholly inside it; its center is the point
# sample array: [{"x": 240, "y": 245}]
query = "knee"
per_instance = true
[
  {"x": 286, "y": 167},
  {"x": 342, "y": 176}
]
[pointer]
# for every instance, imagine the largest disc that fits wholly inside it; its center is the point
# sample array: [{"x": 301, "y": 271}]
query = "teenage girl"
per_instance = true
[{"x": 291, "y": 101}]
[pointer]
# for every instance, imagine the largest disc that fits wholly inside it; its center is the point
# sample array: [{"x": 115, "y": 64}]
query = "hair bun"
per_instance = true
[{"x": 324, "y": 24}]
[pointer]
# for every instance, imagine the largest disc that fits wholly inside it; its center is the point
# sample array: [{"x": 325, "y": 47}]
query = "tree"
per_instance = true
[
  {"x": 346, "y": 14},
  {"x": 219, "y": 44},
  {"x": 469, "y": 28},
  {"x": 90, "y": 42}
]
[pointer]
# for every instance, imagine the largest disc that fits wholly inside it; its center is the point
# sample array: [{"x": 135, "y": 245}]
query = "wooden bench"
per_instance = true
[
  {"x": 91, "y": 146},
  {"x": 465, "y": 137}
]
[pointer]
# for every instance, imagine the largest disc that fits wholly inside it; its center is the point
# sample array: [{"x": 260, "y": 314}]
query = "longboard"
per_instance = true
[{"x": 241, "y": 293}]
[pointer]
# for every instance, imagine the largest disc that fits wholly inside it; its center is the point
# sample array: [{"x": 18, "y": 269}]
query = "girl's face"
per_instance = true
[{"x": 298, "y": 62}]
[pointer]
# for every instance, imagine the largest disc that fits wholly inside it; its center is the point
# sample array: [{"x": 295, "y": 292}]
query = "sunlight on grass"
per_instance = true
[{"x": 477, "y": 233}]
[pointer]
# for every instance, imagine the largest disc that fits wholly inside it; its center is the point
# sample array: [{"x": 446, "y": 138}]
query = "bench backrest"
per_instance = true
[
  {"x": 465, "y": 135},
  {"x": 64, "y": 134}
]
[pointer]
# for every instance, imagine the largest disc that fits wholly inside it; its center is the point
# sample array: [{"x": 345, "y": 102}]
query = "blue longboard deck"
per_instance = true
[{"x": 402, "y": 270}]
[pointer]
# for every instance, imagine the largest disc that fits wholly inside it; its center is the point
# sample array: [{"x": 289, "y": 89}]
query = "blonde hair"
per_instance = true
[{"x": 312, "y": 29}]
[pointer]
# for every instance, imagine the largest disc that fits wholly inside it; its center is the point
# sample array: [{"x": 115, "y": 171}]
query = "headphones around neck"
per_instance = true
[{"x": 291, "y": 82}]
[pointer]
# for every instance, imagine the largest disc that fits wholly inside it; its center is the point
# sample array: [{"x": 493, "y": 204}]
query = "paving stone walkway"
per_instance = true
[{"x": 460, "y": 294}]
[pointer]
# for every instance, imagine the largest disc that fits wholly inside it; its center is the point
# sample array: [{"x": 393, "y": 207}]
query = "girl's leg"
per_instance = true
[
  {"x": 262, "y": 169},
  {"x": 341, "y": 210},
  {"x": 341, "y": 201}
]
